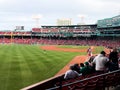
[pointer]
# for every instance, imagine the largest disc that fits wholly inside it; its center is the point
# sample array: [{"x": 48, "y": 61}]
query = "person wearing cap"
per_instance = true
[
  {"x": 87, "y": 69},
  {"x": 100, "y": 62}
]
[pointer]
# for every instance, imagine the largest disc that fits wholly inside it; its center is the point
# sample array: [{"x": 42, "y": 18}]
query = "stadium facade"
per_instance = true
[
  {"x": 108, "y": 29},
  {"x": 109, "y": 26},
  {"x": 105, "y": 27}
]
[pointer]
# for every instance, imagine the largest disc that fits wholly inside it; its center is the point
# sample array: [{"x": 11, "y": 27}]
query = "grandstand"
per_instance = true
[
  {"x": 66, "y": 31},
  {"x": 109, "y": 27},
  {"x": 64, "y": 35},
  {"x": 106, "y": 29}
]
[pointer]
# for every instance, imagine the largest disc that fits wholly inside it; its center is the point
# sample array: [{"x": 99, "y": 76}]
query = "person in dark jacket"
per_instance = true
[
  {"x": 87, "y": 69},
  {"x": 113, "y": 57},
  {"x": 77, "y": 68}
]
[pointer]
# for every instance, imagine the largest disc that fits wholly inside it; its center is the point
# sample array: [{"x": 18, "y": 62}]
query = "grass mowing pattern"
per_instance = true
[{"x": 23, "y": 65}]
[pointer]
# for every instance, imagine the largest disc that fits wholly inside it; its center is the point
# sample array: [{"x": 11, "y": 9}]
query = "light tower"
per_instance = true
[
  {"x": 37, "y": 18},
  {"x": 82, "y": 17}
]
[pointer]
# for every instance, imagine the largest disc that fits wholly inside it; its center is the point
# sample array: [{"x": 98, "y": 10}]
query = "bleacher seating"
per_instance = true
[
  {"x": 36, "y": 29},
  {"x": 99, "y": 82}
]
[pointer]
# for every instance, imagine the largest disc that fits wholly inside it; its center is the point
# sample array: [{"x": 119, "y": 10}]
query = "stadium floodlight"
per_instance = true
[
  {"x": 37, "y": 18},
  {"x": 82, "y": 16}
]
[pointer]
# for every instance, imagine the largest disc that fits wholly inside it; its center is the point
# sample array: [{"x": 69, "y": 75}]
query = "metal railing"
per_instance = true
[{"x": 61, "y": 87}]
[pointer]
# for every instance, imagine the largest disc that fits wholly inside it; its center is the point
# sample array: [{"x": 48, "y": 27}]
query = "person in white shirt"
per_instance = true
[
  {"x": 100, "y": 62},
  {"x": 71, "y": 73}
]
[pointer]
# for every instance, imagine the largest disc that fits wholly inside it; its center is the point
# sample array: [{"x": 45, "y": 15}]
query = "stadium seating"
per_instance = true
[{"x": 90, "y": 82}]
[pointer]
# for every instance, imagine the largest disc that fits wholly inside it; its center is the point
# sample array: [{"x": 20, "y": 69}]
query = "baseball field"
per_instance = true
[{"x": 23, "y": 65}]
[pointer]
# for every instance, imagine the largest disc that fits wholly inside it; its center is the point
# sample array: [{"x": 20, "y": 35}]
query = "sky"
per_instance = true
[{"x": 23, "y": 12}]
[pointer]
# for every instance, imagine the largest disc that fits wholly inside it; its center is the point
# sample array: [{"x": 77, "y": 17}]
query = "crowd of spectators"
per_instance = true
[
  {"x": 99, "y": 64},
  {"x": 31, "y": 40}
]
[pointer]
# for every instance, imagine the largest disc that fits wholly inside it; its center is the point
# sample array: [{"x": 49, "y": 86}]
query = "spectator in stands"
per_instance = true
[
  {"x": 113, "y": 57},
  {"x": 87, "y": 69},
  {"x": 90, "y": 60},
  {"x": 77, "y": 68},
  {"x": 81, "y": 65},
  {"x": 100, "y": 62},
  {"x": 71, "y": 73}
]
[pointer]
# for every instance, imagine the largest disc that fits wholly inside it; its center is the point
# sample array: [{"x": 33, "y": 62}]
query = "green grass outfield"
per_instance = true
[{"x": 23, "y": 65}]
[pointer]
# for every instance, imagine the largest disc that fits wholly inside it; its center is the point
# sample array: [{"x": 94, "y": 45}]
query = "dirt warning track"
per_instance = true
[{"x": 55, "y": 48}]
